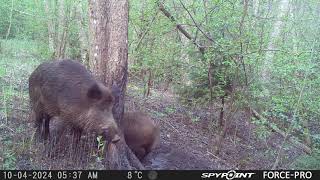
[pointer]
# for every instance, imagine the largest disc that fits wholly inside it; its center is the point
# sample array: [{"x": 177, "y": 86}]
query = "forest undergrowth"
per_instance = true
[{"x": 188, "y": 133}]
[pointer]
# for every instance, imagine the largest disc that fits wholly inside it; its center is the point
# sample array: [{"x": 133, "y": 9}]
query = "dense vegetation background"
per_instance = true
[{"x": 260, "y": 57}]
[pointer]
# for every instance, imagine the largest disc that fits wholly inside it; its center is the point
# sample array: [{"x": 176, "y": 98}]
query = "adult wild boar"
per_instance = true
[
  {"x": 141, "y": 133},
  {"x": 64, "y": 88}
]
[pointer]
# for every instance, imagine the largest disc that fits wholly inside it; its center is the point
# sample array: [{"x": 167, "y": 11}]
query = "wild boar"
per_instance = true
[
  {"x": 141, "y": 133},
  {"x": 64, "y": 88}
]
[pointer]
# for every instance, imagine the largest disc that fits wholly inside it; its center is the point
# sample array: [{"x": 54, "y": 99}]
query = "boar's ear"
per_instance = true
[{"x": 94, "y": 92}]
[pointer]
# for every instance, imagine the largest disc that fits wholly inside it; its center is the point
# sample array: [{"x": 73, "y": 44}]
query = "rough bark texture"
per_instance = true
[{"x": 109, "y": 61}]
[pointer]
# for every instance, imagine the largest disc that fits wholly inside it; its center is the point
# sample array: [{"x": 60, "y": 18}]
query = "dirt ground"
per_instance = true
[{"x": 188, "y": 139}]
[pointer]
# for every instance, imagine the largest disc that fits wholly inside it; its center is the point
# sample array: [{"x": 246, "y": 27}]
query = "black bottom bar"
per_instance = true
[{"x": 156, "y": 175}]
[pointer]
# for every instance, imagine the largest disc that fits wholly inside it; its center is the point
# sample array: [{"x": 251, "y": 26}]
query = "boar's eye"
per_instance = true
[
  {"x": 109, "y": 99},
  {"x": 106, "y": 103},
  {"x": 94, "y": 92}
]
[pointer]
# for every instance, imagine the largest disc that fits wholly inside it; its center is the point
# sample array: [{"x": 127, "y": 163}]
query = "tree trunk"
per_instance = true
[
  {"x": 50, "y": 26},
  {"x": 83, "y": 39},
  {"x": 275, "y": 33},
  {"x": 149, "y": 83},
  {"x": 62, "y": 30},
  {"x": 305, "y": 120},
  {"x": 255, "y": 6},
  {"x": 108, "y": 61},
  {"x": 10, "y": 23}
]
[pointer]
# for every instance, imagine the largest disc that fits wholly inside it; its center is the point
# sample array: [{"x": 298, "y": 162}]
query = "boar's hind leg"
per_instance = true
[
  {"x": 39, "y": 115},
  {"x": 46, "y": 126},
  {"x": 38, "y": 124}
]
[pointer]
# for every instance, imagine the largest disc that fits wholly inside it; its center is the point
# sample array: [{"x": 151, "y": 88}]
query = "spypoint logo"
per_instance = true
[{"x": 228, "y": 175}]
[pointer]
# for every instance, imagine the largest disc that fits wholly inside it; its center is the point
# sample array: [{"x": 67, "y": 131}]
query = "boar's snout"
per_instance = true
[
  {"x": 115, "y": 139},
  {"x": 111, "y": 135}
]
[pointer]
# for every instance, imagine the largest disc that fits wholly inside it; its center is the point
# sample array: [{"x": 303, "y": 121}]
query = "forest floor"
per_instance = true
[
  {"x": 188, "y": 134},
  {"x": 189, "y": 137}
]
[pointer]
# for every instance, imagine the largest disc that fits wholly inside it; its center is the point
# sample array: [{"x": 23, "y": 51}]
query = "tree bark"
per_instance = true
[{"x": 108, "y": 24}]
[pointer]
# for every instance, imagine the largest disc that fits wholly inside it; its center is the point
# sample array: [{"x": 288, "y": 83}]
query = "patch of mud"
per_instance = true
[{"x": 171, "y": 157}]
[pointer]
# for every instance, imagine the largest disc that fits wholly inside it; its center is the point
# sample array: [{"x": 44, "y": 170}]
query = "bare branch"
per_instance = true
[
  {"x": 180, "y": 28},
  {"x": 304, "y": 147},
  {"x": 9, "y": 28},
  {"x": 146, "y": 30},
  {"x": 196, "y": 24}
]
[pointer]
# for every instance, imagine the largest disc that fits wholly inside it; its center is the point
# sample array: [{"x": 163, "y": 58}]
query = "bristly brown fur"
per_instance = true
[
  {"x": 66, "y": 89},
  {"x": 141, "y": 133}
]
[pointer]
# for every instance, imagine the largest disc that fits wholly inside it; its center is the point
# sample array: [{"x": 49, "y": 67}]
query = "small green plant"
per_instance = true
[
  {"x": 159, "y": 114},
  {"x": 195, "y": 119},
  {"x": 2, "y": 71},
  {"x": 311, "y": 162},
  {"x": 100, "y": 148},
  {"x": 9, "y": 160},
  {"x": 170, "y": 110},
  {"x": 261, "y": 130}
]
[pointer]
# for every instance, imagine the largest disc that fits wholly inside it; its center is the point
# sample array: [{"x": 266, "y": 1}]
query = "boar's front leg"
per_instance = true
[{"x": 76, "y": 135}]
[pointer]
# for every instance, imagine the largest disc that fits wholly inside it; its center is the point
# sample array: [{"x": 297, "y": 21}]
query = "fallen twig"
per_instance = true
[
  {"x": 2, "y": 125},
  {"x": 175, "y": 129},
  {"x": 221, "y": 160},
  {"x": 276, "y": 129},
  {"x": 17, "y": 109}
]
